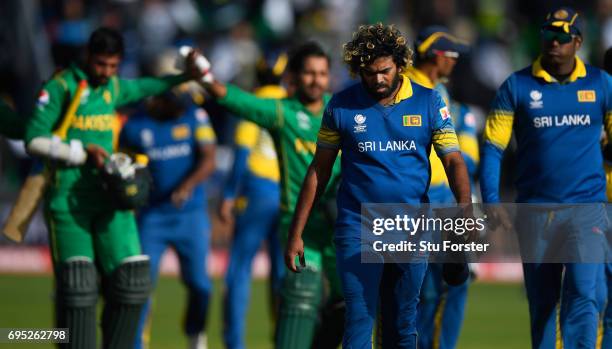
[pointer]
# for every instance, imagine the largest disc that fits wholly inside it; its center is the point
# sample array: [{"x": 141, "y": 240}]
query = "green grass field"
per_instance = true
[{"x": 496, "y": 314}]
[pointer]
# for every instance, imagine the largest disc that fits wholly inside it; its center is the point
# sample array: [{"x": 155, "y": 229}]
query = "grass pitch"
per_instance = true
[{"x": 496, "y": 314}]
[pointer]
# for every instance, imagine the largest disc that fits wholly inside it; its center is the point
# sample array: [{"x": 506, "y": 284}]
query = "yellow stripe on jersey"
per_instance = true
[
  {"x": 445, "y": 141},
  {"x": 405, "y": 90},
  {"x": 419, "y": 77},
  {"x": 608, "y": 125},
  {"x": 262, "y": 161},
  {"x": 328, "y": 136},
  {"x": 246, "y": 134},
  {"x": 578, "y": 72},
  {"x": 438, "y": 175},
  {"x": 205, "y": 134},
  {"x": 469, "y": 146},
  {"x": 498, "y": 128}
]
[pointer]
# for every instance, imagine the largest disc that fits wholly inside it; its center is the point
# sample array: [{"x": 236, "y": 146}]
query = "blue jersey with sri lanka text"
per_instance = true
[
  {"x": 385, "y": 149},
  {"x": 172, "y": 147},
  {"x": 558, "y": 130}
]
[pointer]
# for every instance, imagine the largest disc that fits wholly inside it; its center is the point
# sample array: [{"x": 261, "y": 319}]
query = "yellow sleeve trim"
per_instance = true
[
  {"x": 205, "y": 134},
  {"x": 445, "y": 141},
  {"x": 246, "y": 134},
  {"x": 498, "y": 128},
  {"x": 469, "y": 146},
  {"x": 328, "y": 136}
]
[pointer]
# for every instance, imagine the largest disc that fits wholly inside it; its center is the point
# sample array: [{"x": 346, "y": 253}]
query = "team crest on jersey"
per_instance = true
[
  {"x": 181, "y": 132},
  {"x": 43, "y": 99},
  {"x": 146, "y": 137},
  {"x": 411, "y": 120},
  {"x": 303, "y": 120},
  {"x": 536, "y": 99},
  {"x": 360, "y": 126},
  {"x": 444, "y": 113},
  {"x": 587, "y": 96}
]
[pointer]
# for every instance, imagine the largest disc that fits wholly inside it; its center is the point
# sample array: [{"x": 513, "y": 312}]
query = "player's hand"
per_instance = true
[
  {"x": 181, "y": 195},
  {"x": 96, "y": 155},
  {"x": 225, "y": 210},
  {"x": 295, "y": 247},
  {"x": 498, "y": 218},
  {"x": 197, "y": 67}
]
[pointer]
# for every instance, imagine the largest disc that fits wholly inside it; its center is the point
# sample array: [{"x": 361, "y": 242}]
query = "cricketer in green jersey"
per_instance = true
[
  {"x": 293, "y": 123},
  {"x": 88, "y": 233}
]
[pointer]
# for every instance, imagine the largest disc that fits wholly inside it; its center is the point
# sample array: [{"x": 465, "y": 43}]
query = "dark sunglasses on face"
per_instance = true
[{"x": 551, "y": 35}]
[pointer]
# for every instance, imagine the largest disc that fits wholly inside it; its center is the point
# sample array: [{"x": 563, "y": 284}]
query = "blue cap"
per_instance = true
[
  {"x": 564, "y": 19},
  {"x": 437, "y": 38}
]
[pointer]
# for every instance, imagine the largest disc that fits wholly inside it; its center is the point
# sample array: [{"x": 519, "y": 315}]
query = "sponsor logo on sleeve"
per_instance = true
[
  {"x": 43, "y": 99},
  {"x": 445, "y": 113}
]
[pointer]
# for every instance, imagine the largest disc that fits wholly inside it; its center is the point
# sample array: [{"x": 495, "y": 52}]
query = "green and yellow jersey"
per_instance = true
[{"x": 94, "y": 122}]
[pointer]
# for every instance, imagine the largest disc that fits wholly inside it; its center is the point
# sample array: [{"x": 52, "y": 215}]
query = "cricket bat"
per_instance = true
[{"x": 34, "y": 187}]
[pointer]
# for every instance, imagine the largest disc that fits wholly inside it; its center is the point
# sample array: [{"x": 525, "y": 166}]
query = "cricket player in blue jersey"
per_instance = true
[
  {"x": 384, "y": 109},
  {"x": 556, "y": 108},
  {"x": 252, "y": 190},
  {"x": 442, "y": 306},
  {"x": 177, "y": 137}
]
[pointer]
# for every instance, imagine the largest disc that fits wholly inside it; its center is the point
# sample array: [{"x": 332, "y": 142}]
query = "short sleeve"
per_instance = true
[
  {"x": 329, "y": 133},
  {"x": 246, "y": 134},
  {"x": 444, "y": 138},
  {"x": 204, "y": 133}
]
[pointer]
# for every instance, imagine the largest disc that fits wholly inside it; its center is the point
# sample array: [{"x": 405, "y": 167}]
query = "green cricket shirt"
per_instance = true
[{"x": 95, "y": 122}]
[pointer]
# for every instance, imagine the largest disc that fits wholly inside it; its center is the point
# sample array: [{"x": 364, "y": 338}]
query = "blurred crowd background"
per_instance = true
[{"x": 38, "y": 37}]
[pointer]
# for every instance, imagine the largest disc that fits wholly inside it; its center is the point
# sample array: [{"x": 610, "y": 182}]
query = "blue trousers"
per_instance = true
[
  {"x": 441, "y": 311},
  {"x": 256, "y": 223},
  {"x": 563, "y": 296},
  {"x": 442, "y": 307},
  {"x": 364, "y": 284},
  {"x": 188, "y": 233}
]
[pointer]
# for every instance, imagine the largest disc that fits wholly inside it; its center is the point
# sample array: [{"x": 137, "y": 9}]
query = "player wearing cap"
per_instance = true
[
  {"x": 556, "y": 108},
  {"x": 179, "y": 141},
  {"x": 89, "y": 234},
  {"x": 376, "y": 110},
  {"x": 293, "y": 123},
  {"x": 441, "y": 309},
  {"x": 252, "y": 189}
]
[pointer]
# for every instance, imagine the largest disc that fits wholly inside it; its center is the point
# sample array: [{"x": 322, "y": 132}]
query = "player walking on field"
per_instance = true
[
  {"x": 441, "y": 306},
  {"x": 556, "y": 108},
  {"x": 293, "y": 123},
  {"x": 179, "y": 141},
  {"x": 374, "y": 110},
  {"x": 89, "y": 235}
]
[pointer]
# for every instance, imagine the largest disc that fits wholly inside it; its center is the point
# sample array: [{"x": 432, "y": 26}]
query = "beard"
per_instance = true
[{"x": 386, "y": 92}]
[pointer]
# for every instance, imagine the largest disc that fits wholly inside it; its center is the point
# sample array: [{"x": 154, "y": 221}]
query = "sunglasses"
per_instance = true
[{"x": 551, "y": 35}]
